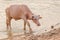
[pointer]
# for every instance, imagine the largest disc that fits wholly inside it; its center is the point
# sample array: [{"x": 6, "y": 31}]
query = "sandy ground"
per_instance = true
[
  {"x": 51, "y": 35},
  {"x": 48, "y": 9}
]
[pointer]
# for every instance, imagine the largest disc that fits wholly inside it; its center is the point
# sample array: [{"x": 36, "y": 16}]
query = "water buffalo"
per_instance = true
[{"x": 21, "y": 12}]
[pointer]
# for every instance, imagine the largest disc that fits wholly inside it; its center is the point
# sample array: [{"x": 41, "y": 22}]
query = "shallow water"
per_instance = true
[{"x": 48, "y": 9}]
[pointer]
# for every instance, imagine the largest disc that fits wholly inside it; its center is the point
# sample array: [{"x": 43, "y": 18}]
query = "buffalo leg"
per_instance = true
[
  {"x": 24, "y": 27},
  {"x": 29, "y": 27},
  {"x": 27, "y": 24},
  {"x": 8, "y": 22}
]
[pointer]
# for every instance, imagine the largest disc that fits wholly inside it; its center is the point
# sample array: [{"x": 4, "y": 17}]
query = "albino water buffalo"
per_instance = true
[{"x": 21, "y": 12}]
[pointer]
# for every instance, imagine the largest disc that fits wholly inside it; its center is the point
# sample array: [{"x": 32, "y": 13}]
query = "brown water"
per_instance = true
[{"x": 48, "y": 9}]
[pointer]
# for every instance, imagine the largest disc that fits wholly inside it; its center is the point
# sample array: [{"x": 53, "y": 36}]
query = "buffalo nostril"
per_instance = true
[{"x": 38, "y": 24}]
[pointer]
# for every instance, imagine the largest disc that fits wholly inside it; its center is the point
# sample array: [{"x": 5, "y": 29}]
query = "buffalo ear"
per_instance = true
[{"x": 39, "y": 16}]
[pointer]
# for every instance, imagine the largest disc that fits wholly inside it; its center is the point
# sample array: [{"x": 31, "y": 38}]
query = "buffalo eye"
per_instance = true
[
  {"x": 32, "y": 16},
  {"x": 35, "y": 19}
]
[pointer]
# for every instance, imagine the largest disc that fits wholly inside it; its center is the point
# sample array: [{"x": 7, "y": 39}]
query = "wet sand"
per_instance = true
[{"x": 51, "y": 35}]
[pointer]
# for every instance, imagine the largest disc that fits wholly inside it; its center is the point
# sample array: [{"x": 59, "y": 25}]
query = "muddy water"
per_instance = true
[{"x": 48, "y": 9}]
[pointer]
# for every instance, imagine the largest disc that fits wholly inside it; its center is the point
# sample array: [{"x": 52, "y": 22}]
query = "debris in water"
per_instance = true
[{"x": 52, "y": 27}]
